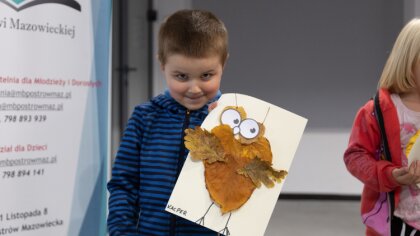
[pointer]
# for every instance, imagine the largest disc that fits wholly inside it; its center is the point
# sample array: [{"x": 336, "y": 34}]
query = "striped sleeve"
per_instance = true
[{"x": 124, "y": 184}]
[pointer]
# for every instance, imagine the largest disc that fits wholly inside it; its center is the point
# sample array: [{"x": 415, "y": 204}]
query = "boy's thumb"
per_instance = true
[{"x": 212, "y": 106}]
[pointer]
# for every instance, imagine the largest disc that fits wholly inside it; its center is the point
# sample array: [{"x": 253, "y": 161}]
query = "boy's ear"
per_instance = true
[
  {"x": 227, "y": 58},
  {"x": 162, "y": 67}
]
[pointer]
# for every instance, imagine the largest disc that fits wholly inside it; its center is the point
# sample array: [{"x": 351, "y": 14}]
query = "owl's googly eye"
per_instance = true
[
  {"x": 249, "y": 128},
  {"x": 231, "y": 117}
]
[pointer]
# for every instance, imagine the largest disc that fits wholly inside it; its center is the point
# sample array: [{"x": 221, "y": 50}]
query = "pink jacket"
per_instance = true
[{"x": 364, "y": 161}]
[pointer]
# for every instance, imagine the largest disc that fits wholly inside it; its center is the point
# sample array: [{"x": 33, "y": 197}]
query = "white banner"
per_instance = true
[{"x": 54, "y": 103}]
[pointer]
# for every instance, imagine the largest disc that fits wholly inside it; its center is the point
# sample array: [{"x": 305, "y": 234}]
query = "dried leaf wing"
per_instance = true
[
  {"x": 261, "y": 172},
  {"x": 203, "y": 145}
]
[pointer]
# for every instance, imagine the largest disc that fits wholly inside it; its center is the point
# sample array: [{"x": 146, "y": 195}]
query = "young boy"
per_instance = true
[{"x": 192, "y": 54}]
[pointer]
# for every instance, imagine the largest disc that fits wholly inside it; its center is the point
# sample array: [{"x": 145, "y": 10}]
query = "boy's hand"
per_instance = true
[
  {"x": 407, "y": 175},
  {"x": 212, "y": 106}
]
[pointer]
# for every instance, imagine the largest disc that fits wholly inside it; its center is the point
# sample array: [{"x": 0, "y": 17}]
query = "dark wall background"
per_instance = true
[{"x": 320, "y": 59}]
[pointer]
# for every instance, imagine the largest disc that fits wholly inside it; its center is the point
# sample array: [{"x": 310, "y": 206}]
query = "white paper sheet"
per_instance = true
[{"x": 190, "y": 198}]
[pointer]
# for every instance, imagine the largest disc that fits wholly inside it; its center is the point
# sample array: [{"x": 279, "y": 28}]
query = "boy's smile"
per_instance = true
[{"x": 192, "y": 82}]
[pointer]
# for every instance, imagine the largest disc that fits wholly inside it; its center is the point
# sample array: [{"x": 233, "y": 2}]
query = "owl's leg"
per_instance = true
[
  {"x": 201, "y": 220},
  {"x": 225, "y": 231}
]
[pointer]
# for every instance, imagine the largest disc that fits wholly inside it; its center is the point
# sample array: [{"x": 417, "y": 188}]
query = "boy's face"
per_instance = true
[{"x": 192, "y": 82}]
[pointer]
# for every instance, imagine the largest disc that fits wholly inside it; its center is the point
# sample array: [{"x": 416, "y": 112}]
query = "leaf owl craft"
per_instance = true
[{"x": 236, "y": 156}]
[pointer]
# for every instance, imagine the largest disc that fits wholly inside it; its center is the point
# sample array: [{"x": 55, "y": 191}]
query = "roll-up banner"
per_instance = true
[{"x": 54, "y": 116}]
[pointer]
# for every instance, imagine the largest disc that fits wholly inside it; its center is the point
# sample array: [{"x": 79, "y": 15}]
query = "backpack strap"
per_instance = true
[
  {"x": 380, "y": 120},
  {"x": 387, "y": 153}
]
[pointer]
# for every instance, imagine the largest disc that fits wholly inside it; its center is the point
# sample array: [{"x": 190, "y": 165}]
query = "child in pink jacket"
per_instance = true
[{"x": 399, "y": 99}]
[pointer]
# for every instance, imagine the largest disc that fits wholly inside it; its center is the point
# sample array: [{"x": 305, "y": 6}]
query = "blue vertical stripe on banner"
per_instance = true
[
  {"x": 89, "y": 196},
  {"x": 102, "y": 12},
  {"x": 87, "y": 205},
  {"x": 101, "y": 18}
]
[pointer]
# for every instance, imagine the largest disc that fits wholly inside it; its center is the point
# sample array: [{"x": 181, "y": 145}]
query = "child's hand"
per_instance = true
[
  {"x": 212, "y": 106},
  {"x": 407, "y": 175}
]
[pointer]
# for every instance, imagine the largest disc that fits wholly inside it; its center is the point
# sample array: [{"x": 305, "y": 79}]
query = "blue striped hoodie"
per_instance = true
[{"x": 147, "y": 165}]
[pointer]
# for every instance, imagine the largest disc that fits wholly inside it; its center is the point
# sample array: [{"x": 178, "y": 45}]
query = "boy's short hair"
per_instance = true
[
  {"x": 193, "y": 33},
  {"x": 397, "y": 75}
]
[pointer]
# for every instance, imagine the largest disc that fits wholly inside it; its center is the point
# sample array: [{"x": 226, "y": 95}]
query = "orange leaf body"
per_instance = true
[{"x": 226, "y": 187}]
